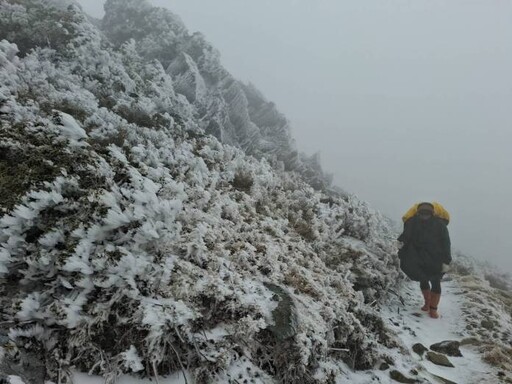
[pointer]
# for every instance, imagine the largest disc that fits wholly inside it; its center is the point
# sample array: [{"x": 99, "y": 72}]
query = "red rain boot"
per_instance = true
[
  {"x": 426, "y": 296},
  {"x": 434, "y": 302}
]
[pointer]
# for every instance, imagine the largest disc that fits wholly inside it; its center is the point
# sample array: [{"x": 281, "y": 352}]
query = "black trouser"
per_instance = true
[{"x": 436, "y": 284}]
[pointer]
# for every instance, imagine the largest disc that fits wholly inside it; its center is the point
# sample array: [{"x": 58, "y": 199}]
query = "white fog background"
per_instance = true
[{"x": 405, "y": 100}]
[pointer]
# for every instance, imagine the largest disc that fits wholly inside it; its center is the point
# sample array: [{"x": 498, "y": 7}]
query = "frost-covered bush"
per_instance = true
[
  {"x": 133, "y": 241},
  {"x": 463, "y": 265},
  {"x": 34, "y": 23},
  {"x": 499, "y": 280},
  {"x": 235, "y": 113}
]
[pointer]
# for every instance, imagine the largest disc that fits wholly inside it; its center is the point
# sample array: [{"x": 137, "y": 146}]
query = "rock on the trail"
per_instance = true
[
  {"x": 419, "y": 348},
  {"x": 439, "y": 359},
  {"x": 448, "y": 347},
  {"x": 400, "y": 377},
  {"x": 471, "y": 341},
  {"x": 444, "y": 380}
]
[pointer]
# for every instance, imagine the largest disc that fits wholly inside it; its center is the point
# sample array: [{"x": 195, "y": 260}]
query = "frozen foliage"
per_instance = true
[
  {"x": 235, "y": 113},
  {"x": 131, "y": 240},
  {"x": 69, "y": 127}
]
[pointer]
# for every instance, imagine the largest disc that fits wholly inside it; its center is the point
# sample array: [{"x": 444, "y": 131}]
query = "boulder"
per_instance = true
[
  {"x": 439, "y": 359},
  {"x": 444, "y": 380},
  {"x": 401, "y": 378},
  {"x": 471, "y": 341},
  {"x": 419, "y": 348},
  {"x": 284, "y": 316},
  {"x": 448, "y": 347}
]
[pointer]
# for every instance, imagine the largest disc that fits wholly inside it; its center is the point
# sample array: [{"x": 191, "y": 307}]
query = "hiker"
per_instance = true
[{"x": 425, "y": 254}]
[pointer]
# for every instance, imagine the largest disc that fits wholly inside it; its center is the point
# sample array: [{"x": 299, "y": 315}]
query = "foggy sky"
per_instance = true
[{"x": 406, "y": 100}]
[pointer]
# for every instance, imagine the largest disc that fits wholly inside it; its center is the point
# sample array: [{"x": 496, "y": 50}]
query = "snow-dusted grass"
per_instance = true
[{"x": 488, "y": 315}]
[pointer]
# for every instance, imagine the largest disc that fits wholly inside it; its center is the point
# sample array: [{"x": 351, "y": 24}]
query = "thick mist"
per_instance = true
[{"x": 406, "y": 101}]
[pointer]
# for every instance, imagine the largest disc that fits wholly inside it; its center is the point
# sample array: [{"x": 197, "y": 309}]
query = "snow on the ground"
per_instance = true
[
  {"x": 177, "y": 378},
  {"x": 15, "y": 380},
  {"x": 413, "y": 325}
]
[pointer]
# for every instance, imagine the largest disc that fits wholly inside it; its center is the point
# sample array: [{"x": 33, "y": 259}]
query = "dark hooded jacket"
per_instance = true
[{"x": 426, "y": 247}]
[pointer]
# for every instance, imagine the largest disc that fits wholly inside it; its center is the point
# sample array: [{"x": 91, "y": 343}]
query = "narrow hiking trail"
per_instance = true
[{"x": 413, "y": 326}]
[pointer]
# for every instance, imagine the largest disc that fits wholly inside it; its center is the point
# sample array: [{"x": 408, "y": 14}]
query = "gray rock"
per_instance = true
[
  {"x": 443, "y": 380},
  {"x": 384, "y": 367},
  {"x": 487, "y": 324},
  {"x": 448, "y": 347},
  {"x": 471, "y": 341},
  {"x": 419, "y": 348},
  {"x": 439, "y": 359},
  {"x": 401, "y": 378},
  {"x": 3, "y": 339},
  {"x": 30, "y": 368},
  {"x": 285, "y": 316}
]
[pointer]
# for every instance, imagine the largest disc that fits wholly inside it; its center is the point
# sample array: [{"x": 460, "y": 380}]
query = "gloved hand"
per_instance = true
[{"x": 445, "y": 268}]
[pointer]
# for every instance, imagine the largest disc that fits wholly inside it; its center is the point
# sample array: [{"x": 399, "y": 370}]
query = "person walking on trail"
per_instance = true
[{"x": 426, "y": 251}]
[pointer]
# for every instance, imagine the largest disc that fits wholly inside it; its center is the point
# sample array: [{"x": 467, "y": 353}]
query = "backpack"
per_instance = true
[{"x": 439, "y": 211}]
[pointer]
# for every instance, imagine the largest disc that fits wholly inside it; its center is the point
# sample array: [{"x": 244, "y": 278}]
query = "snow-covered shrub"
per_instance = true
[
  {"x": 463, "y": 265},
  {"x": 34, "y": 23},
  {"x": 499, "y": 280}
]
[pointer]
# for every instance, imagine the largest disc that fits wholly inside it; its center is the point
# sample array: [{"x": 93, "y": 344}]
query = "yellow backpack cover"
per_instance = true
[{"x": 439, "y": 211}]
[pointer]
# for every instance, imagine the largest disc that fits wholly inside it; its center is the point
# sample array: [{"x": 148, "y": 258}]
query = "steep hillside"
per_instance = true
[
  {"x": 235, "y": 113},
  {"x": 156, "y": 219},
  {"x": 155, "y": 216}
]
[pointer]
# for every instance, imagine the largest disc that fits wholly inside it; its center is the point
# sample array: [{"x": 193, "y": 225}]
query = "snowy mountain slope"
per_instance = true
[
  {"x": 235, "y": 113},
  {"x": 155, "y": 217},
  {"x": 133, "y": 242}
]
